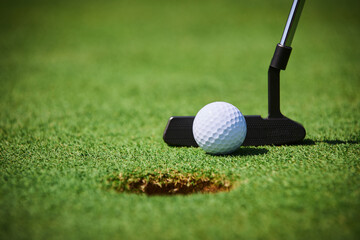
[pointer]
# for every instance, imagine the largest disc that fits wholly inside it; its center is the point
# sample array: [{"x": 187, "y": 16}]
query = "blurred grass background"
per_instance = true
[{"x": 87, "y": 88}]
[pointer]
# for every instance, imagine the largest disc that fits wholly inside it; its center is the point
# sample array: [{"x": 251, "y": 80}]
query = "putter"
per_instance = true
[{"x": 276, "y": 129}]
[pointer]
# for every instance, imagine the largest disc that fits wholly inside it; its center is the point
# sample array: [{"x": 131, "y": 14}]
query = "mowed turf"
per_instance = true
[{"x": 86, "y": 88}]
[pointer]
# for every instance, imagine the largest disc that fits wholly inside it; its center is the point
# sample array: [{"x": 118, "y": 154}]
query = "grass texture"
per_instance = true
[{"x": 87, "y": 88}]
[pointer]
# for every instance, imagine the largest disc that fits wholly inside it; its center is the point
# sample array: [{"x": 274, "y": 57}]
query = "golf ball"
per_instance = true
[{"x": 219, "y": 128}]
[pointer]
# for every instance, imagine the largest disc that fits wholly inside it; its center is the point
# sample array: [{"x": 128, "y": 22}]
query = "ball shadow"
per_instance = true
[{"x": 249, "y": 151}]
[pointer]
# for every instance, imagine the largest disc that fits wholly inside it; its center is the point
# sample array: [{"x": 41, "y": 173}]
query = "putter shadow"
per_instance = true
[
  {"x": 305, "y": 142},
  {"x": 336, "y": 142},
  {"x": 309, "y": 142}
]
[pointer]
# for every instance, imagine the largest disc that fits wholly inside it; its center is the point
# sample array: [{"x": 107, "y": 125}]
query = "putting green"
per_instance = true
[{"x": 86, "y": 89}]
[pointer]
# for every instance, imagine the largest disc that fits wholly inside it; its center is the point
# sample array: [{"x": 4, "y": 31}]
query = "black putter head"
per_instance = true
[
  {"x": 260, "y": 131},
  {"x": 274, "y": 130}
]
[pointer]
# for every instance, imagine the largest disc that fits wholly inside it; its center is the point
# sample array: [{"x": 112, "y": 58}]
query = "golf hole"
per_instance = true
[{"x": 168, "y": 183}]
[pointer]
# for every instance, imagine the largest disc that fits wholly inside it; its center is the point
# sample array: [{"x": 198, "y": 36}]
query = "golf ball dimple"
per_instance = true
[{"x": 219, "y": 128}]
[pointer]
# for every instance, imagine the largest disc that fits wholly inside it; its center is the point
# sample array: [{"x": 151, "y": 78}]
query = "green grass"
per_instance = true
[{"x": 86, "y": 89}]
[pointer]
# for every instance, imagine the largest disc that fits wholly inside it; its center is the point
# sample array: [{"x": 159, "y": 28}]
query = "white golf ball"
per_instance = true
[{"x": 219, "y": 128}]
